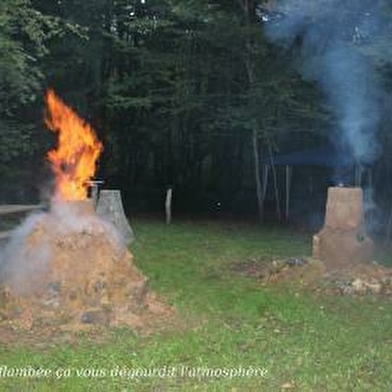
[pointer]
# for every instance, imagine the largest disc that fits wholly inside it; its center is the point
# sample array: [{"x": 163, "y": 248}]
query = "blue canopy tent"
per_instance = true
[{"x": 328, "y": 157}]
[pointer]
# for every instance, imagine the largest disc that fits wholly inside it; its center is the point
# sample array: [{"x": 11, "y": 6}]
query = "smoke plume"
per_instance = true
[
  {"x": 331, "y": 39},
  {"x": 31, "y": 249},
  {"x": 20, "y": 266}
]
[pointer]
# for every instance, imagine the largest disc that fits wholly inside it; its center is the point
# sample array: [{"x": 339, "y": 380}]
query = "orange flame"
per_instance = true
[{"x": 74, "y": 160}]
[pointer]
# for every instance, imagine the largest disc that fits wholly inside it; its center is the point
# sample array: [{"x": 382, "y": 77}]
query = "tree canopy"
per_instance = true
[{"x": 178, "y": 90}]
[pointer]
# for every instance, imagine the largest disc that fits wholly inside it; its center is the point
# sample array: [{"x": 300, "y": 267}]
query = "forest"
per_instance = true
[{"x": 199, "y": 95}]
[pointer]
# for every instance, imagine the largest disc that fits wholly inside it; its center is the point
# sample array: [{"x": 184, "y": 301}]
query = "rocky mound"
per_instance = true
[{"x": 69, "y": 268}]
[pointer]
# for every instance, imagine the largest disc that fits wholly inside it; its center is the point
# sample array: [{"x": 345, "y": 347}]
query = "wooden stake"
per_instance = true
[{"x": 168, "y": 205}]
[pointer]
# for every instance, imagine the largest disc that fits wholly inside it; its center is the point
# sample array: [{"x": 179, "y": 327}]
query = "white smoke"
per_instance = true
[
  {"x": 20, "y": 264},
  {"x": 328, "y": 38},
  {"x": 28, "y": 254}
]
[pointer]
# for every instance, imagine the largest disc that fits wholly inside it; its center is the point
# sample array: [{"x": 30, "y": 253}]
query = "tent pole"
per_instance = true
[
  {"x": 358, "y": 175},
  {"x": 388, "y": 229},
  {"x": 288, "y": 186},
  {"x": 265, "y": 186},
  {"x": 371, "y": 215},
  {"x": 275, "y": 178}
]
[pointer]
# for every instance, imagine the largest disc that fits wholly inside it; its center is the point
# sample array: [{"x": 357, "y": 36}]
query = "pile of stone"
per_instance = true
[{"x": 69, "y": 267}]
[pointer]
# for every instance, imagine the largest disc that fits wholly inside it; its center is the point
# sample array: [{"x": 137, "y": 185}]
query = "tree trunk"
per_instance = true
[
  {"x": 249, "y": 10},
  {"x": 256, "y": 154}
]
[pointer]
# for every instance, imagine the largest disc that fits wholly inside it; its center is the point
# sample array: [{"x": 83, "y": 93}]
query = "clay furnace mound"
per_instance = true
[
  {"x": 70, "y": 268},
  {"x": 343, "y": 241}
]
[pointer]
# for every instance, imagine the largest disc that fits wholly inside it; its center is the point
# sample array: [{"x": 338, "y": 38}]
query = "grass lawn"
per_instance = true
[{"x": 285, "y": 337}]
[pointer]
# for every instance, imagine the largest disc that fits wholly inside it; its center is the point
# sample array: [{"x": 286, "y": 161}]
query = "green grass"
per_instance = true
[{"x": 312, "y": 342}]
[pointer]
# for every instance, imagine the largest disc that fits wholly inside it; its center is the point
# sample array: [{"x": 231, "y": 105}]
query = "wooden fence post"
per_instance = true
[{"x": 168, "y": 205}]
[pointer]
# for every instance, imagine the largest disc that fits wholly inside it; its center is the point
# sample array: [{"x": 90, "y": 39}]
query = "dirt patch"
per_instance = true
[
  {"x": 278, "y": 270},
  {"x": 356, "y": 279}
]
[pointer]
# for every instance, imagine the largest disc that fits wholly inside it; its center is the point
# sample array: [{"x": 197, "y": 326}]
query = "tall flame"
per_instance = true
[{"x": 74, "y": 160}]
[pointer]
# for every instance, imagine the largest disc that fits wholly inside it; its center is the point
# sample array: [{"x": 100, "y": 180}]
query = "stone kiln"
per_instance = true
[
  {"x": 343, "y": 240},
  {"x": 68, "y": 267}
]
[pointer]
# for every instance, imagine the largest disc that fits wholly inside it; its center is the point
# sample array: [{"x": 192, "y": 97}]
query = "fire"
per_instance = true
[{"x": 74, "y": 160}]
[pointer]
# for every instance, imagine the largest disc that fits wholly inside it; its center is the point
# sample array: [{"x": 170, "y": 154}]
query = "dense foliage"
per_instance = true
[{"x": 189, "y": 94}]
